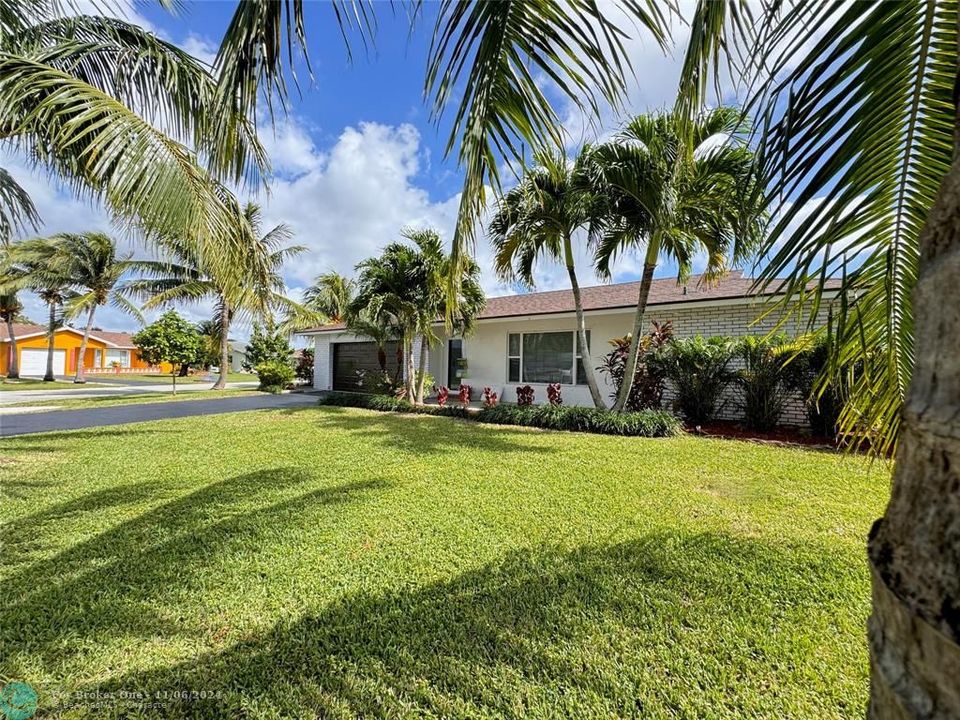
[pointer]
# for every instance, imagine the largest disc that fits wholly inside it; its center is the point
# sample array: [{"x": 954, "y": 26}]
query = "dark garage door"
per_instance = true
[{"x": 350, "y": 357}]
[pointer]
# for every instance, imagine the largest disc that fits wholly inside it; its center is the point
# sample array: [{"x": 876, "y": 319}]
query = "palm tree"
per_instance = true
[
  {"x": 675, "y": 189},
  {"x": 254, "y": 285},
  {"x": 10, "y": 308},
  {"x": 539, "y": 217},
  {"x": 39, "y": 265},
  {"x": 405, "y": 288},
  {"x": 90, "y": 264},
  {"x": 330, "y": 295},
  {"x": 860, "y": 136},
  {"x": 68, "y": 86}
]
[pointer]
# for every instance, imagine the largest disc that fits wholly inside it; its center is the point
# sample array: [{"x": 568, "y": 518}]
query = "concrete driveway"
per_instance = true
[{"x": 25, "y": 424}]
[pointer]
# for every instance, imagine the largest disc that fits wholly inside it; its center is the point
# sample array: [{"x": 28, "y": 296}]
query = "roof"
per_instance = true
[
  {"x": 663, "y": 291},
  {"x": 23, "y": 330}
]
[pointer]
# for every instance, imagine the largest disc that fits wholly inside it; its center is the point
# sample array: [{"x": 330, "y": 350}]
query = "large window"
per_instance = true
[{"x": 545, "y": 358}]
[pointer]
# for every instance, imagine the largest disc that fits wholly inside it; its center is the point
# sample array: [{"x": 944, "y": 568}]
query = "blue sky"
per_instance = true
[{"x": 356, "y": 158}]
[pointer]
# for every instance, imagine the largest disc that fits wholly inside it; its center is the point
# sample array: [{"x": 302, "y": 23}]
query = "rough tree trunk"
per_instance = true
[
  {"x": 13, "y": 367},
  {"x": 591, "y": 378},
  {"x": 409, "y": 374},
  {"x": 915, "y": 548},
  {"x": 51, "y": 340},
  {"x": 221, "y": 383},
  {"x": 78, "y": 375},
  {"x": 630, "y": 369},
  {"x": 422, "y": 370}
]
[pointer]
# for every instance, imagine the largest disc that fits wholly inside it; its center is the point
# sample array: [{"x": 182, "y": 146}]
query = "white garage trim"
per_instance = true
[{"x": 34, "y": 362}]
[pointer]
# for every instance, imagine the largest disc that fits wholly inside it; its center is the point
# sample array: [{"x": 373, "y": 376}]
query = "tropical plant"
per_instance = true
[
  {"x": 209, "y": 331},
  {"x": 90, "y": 264},
  {"x": 330, "y": 295},
  {"x": 859, "y": 120},
  {"x": 649, "y": 378},
  {"x": 524, "y": 395},
  {"x": 676, "y": 187},
  {"x": 554, "y": 395},
  {"x": 699, "y": 372},
  {"x": 274, "y": 376},
  {"x": 402, "y": 292},
  {"x": 822, "y": 393},
  {"x": 464, "y": 394},
  {"x": 490, "y": 398},
  {"x": 170, "y": 339},
  {"x": 119, "y": 114},
  {"x": 303, "y": 369},
  {"x": 251, "y": 287},
  {"x": 443, "y": 393},
  {"x": 765, "y": 378},
  {"x": 539, "y": 217},
  {"x": 267, "y": 345},
  {"x": 10, "y": 308}
]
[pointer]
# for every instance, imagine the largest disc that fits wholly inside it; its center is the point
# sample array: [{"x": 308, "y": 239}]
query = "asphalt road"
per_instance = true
[{"x": 57, "y": 420}]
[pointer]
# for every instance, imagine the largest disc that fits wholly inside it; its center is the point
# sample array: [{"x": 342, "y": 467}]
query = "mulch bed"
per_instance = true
[{"x": 780, "y": 436}]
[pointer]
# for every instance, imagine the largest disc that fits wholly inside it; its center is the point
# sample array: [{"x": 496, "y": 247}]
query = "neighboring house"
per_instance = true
[
  {"x": 103, "y": 350},
  {"x": 529, "y": 339},
  {"x": 238, "y": 356}
]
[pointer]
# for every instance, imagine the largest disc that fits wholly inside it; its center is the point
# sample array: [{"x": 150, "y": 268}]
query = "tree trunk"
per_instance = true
[
  {"x": 173, "y": 374},
  {"x": 591, "y": 378},
  {"x": 78, "y": 375},
  {"x": 408, "y": 360},
  {"x": 184, "y": 370},
  {"x": 13, "y": 367},
  {"x": 914, "y": 549},
  {"x": 422, "y": 370},
  {"x": 51, "y": 340},
  {"x": 630, "y": 369},
  {"x": 221, "y": 383}
]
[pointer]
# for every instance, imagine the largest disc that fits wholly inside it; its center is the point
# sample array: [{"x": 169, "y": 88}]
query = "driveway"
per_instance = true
[
  {"x": 13, "y": 397},
  {"x": 100, "y": 417}
]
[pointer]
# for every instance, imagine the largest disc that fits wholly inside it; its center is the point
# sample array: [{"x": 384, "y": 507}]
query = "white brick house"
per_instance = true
[{"x": 528, "y": 339}]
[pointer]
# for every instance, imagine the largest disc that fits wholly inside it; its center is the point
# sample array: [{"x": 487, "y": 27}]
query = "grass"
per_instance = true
[
  {"x": 31, "y": 384},
  {"x": 135, "y": 399},
  {"x": 166, "y": 378},
  {"x": 340, "y": 563}
]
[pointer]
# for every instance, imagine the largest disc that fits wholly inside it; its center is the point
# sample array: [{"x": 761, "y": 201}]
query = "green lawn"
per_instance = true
[
  {"x": 31, "y": 384},
  {"x": 161, "y": 378},
  {"x": 135, "y": 399},
  {"x": 341, "y": 563}
]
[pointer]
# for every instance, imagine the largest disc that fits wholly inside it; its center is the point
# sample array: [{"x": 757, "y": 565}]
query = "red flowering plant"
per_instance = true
[
  {"x": 524, "y": 395},
  {"x": 553, "y": 394},
  {"x": 443, "y": 392},
  {"x": 490, "y": 398},
  {"x": 466, "y": 392}
]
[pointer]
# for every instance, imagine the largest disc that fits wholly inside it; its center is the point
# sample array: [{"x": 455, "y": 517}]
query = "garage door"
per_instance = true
[
  {"x": 349, "y": 358},
  {"x": 34, "y": 362}
]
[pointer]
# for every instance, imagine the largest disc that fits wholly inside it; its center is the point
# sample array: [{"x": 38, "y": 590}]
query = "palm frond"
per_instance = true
[{"x": 17, "y": 212}]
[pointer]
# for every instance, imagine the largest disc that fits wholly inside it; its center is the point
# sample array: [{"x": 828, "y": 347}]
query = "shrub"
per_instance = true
[
  {"x": 648, "y": 380},
  {"x": 823, "y": 400},
  {"x": 490, "y": 398},
  {"x": 764, "y": 380},
  {"x": 304, "y": 367},
  {"x": 524, "y": 395},
  {"x": 465, "y": 394},
  {"x": 274, "y": 376},
  {"x": 379, "y": 382},
  {"x": 553, "y": 394},
  {"x": 699, "y": 371},
  {"x": 645, "y": 423},
  {"x": 443, "y": 392}
]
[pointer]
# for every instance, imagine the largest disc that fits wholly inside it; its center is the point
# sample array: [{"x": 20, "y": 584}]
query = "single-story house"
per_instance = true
[
  {"x": 104, "y": 348},
  {"x": 238, "y": 356},
  {"x": 528, "y": 339}
]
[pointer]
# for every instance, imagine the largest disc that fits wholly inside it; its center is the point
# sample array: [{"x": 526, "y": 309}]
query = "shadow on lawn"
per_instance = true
[
  {"x": 421, "y": 434},
  {"x": 125, "y": 580},
  {"x": 671, "y": 624}
]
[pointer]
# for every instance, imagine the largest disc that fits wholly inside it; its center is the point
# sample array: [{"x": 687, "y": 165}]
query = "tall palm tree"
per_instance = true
[
  {"x": 405, "y": 287},
  {"x": 91, "y": 266},
  {"x": 539, "y": 218},
  {"x": 117, "y": 113},
  {"x": 253, "y": 287},
  {"x": 861, "y": 137},
  {"x": 10, "y": 308},
  {"x": 676, "y": 189},
  {"x": 38, "y": 265}
]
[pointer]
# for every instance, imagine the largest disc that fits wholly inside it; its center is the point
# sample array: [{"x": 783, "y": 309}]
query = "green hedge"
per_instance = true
[{"x": 645, "y": 423}]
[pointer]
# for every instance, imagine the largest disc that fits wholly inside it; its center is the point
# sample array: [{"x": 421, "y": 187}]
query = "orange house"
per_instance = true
[{"x": 106, "y": 351}]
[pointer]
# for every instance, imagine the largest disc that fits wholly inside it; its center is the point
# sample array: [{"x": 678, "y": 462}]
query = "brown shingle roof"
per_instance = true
[
  {"x": 619, "y": 295},
  {"x": 20, "y": 329},
  {"x": 120, "y": 339}
]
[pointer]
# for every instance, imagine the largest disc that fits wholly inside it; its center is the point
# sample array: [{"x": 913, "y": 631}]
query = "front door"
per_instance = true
[{"x": 454, "y": 354}]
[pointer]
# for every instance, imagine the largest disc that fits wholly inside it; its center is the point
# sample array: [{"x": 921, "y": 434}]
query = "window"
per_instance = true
[{"x": 550, "y": 357}]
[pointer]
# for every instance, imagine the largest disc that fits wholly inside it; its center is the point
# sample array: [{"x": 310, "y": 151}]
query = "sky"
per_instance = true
[{"x": 356, "y": 157}]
